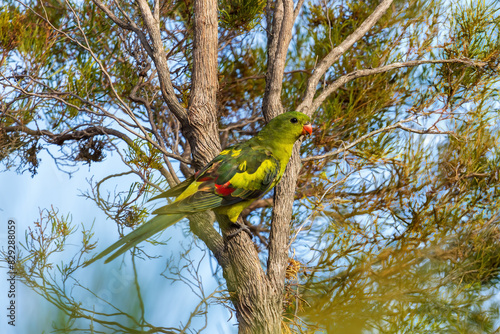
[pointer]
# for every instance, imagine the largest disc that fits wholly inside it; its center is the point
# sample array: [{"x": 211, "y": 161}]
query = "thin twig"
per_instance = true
[
  {"x": 337, "y": 52},
  {"x": 359, "y": 140},
  {"x": 366, "y": 72}
]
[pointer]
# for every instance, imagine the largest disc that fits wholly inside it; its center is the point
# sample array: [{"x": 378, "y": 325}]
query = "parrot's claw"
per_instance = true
[{"x": 239, "y": 228}]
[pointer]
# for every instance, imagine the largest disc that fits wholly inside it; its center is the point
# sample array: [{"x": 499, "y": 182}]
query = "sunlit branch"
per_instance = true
[
  {"x": 297, "y": 9},
  {"x": 337, "y": 52},
  {"x": 131, "y": 26},
  {"x": 366, "y": 72},
  {"x": 398, "y": 125},
  {"x": 56, "y": 95},
  {"x": 160, "y": 59},
  {"x": 278, "y": 41}
]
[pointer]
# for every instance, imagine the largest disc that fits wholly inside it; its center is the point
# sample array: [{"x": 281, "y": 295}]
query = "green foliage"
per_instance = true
[
  {"x": 397, "y": 234},
  {"x": 240, "y": 14}
]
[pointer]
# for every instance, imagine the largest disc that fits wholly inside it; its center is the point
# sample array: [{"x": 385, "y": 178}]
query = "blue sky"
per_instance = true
[{"x": 22, "y": 197}]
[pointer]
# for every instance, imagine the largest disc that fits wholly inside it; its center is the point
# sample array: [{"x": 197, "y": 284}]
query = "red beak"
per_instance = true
[{"x": 307, "y": 128}]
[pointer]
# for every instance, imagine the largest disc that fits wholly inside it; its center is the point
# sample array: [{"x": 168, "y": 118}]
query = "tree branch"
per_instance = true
[
  {"x": 242, "y": 123},
  {"x": 160, "y": 59},
  {"x": 366, "y": 72},
  {"x": 337, "y": 52},
  {"x": 398, "y": 125},
  {"x": 131, "y": 26},
  {"x": 297, "y": 9},
  {"x": 58, "y": 96},
  {"x": 60, "y": 138},
  {"x": 279, "y": 40}
]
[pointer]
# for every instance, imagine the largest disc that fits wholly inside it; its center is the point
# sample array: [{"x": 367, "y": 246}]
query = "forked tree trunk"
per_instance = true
[{"x": 256, "y": 295}]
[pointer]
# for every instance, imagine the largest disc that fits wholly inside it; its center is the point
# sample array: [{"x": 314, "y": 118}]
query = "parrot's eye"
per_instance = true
[{"x": 294, "y": 120}]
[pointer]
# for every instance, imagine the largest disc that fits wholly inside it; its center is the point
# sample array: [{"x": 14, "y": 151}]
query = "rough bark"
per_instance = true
[
  {"x": 256, "y": 294},
  {"x": 279, "y": 25},
  {"x": 248, "y": 284},
  {"x": 246, "y": 280},
  {"x": 202, "y": 130}
]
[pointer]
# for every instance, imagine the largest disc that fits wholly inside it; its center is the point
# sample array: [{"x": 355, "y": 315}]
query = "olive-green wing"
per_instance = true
[{"x": 240, "y": 173}]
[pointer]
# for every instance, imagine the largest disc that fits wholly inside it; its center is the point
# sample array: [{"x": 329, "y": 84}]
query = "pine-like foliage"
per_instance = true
[{"x": 396, "y": 217}]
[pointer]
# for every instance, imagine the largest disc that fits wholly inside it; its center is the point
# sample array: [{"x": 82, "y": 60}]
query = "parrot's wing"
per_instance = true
[
  {"x": 239, "y": 173},
  {"x": 176, "y": 190}
]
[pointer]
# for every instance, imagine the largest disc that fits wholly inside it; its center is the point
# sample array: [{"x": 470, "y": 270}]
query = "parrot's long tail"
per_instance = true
[{"x": 142, "y": 233}]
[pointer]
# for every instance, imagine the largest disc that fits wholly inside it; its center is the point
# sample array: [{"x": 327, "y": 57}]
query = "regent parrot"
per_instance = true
[{"x": 229, "y": 183}]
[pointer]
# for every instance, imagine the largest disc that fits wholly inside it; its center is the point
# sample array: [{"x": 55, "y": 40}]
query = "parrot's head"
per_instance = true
[{"x": 289, "y": 126}]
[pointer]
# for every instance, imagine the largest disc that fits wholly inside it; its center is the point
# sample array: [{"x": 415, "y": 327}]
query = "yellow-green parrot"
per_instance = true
[{"x": 229, "y": 183}]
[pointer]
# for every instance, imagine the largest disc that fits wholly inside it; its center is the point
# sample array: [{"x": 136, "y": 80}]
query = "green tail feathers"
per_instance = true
[
  {"x": 175, "y": 191},
  {"x": 142, "y": 233},
  {"x": 229, "y": 183}
]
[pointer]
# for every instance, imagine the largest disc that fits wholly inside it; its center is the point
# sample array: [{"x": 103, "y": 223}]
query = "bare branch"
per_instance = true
[
  {"x": 366, "y": 72},
  {"x": 359, "y": 140},
  {"x": 298, "y": 7},
  {"x": 335, "y": 54},
  {"x": 241, "y": 124},
  {"x": 160, "y": 60},
  {"x": 279, "y": 40},
  {"x": 58, "y": 96},
  {"x": 60, "y": 138},
  {"x": 398, "y": 125},
  {"x": 156, "y": 10},
  {"x": 427, "y": 131},
  {"x": 131, "y": 26}
]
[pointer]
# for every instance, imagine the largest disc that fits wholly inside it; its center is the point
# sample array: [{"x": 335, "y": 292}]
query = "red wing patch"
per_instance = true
[
  {"x": 202, "y": 179},
  {"x": 224, "y": 189}
]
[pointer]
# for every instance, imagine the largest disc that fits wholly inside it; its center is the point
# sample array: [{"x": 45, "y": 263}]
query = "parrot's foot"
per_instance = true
[{"x": 238, "y": 230}]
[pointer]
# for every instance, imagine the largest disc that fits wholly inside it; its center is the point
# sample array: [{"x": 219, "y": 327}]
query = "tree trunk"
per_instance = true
[
  {"x": 257, "y": 303},
  {"x": 202, "y": 131},
  {"x": 256, "y": 295}
]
